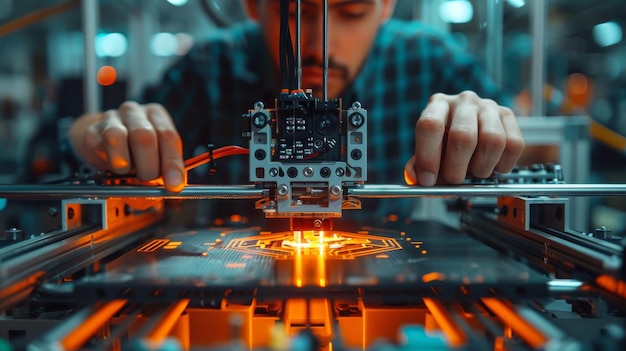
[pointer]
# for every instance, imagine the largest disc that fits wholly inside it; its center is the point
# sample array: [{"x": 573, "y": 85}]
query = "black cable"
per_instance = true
[
  {"x": 286, "y": 53},
  {"x": 284, "y": 75}
]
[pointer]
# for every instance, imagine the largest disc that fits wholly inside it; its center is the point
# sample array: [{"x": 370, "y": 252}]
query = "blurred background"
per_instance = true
[{"x": 564, "y": 62}]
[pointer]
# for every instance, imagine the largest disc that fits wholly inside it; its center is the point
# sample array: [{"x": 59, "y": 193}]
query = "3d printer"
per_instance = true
[{"x": 116, "y": 274}]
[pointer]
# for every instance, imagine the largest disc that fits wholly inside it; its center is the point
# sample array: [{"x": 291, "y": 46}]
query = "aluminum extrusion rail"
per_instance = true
[
  {"x": 123, "y": 191},
  {"x": 366, "y": 191},
  {"x": 400, "y": 191}
]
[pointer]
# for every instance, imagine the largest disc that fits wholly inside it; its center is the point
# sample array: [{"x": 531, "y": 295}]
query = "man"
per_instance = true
[{"x": 408, "y": 78}]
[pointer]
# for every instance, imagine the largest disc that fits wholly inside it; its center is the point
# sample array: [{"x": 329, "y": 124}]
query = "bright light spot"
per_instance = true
[
  {"x": 177, "y": 2},
  {"x": 456, "y": 11},
  {"x": 107, "y": 75},
  {"x": 517, "y": 3},
  {"x": 3, "y": 204},
  {"x": 607, "y": 33},
  {"x": 164, "y": 44},
  {"x": 111, "y": 44}
]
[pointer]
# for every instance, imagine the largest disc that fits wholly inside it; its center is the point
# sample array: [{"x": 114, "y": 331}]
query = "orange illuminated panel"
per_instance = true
[
  {"x": 77, "y": 337},
  {"x": 153, "y": 245},
  {"x": 525, "y": 330},
  {"x": 337, "y": 244},
  {"x": 455, "y": 335},
  {"x": 167, "y": 322},
  {"x": 172, "y": 245}
]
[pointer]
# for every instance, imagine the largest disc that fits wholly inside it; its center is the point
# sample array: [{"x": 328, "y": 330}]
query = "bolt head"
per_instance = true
[{"x": 283, "y": 190}]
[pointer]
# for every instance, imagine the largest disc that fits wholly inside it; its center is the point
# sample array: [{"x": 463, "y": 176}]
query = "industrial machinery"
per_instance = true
[{"x": 117, "y": 269}]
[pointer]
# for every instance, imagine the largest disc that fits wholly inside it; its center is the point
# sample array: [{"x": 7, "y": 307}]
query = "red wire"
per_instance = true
[{"x": 225, "y": 151}]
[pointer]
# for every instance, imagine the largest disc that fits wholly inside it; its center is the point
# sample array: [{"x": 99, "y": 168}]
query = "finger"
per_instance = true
[
  {"x": 115, "y": 143},
  {"x": 461, "y": 142},
  {"x": 93, "y": 150},
  {"x": 170, "y": 148},
  {"x": 429, "y": 135},
  {"x": 142, "y": 140},
  {"x": 491, "y": 140},
  {"x": 514, "y": 141}
]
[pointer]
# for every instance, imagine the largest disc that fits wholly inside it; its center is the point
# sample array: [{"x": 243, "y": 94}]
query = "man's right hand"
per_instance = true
[{"x": 135, "y": 137}]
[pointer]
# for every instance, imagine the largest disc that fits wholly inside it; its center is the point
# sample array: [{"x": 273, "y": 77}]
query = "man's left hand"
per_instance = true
[{"x": 463, "y": 134}]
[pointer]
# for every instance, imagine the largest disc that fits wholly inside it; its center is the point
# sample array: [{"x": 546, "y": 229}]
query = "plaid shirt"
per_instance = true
[{"x": 207, "y": 91}]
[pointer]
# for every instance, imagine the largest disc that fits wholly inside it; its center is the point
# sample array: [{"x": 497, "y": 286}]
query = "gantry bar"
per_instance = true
[{"x": 200, "y": 192}]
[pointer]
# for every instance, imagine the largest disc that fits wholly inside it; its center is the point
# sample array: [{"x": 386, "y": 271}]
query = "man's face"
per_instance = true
[{"x": 352, "y": 27}]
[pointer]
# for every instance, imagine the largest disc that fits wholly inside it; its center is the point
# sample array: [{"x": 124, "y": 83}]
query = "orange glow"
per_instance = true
[
  {"x": 153, "y": 245},
  {"x": 392, "y": 218},
  {"x": 524, "y": 329},
  {"x": 337, "y": 244},
  {"x": 235, "y": 265},
  {"x": 167, "y": 322},
  {"x": 410, "y": 180},
  {"x": 298, "y": 268},
  {"x": 19, "y": 286},
  {"x": 77, "y": 337},
  {"x": 577, "y": 83},
  {"x": 107, "y": 75},
  {"x": 611, "y": 284},
  {"x": 218, "y": 221},
  {"x": 382, "y": 256},
  {"x": 578, "y": 90},
  {"x": 119, "y": 162},
  {"x": 607, "y": 136},
  {"x": 236, "y": 218},
  {"x": 432, "y": 276},
  {"x": 455, "y": 335},
  {"x": 321, "y": 268},
  {"x": 424, "y": 252}
]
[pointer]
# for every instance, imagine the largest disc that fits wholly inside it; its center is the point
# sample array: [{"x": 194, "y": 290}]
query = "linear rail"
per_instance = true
[{"x": 367, "y": 191}]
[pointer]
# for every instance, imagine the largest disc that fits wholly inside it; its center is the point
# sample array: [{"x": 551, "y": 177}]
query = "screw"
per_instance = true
[
  {"x": 13, "y": 234},
  {"x": 317, "y": 223},
  {"x": 357, "y": 120},
  {"x": 335, "y": 190},
  {"x": 259, "y": 120},
  {"x": 273, "y": 172},
  {"x": 283, "y": 190},
  {"x": 259, "y": 105},
  {"x": 308, "y": 171},
  {"x": 53, "y": 211},
  {"x": 340, "y": 172}
]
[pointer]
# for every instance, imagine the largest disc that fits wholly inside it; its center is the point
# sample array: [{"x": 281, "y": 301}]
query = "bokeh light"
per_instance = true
[
  {"x": 107, "y": 75},
  {"x": 456, "y": 11},
  {"x": 111, "y": 44}
]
